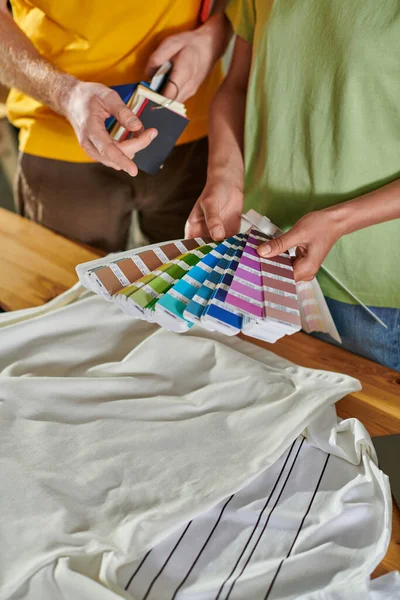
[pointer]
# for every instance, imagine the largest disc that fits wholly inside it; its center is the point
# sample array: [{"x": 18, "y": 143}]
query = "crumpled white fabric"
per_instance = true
[
  {"x": 115, "y": 432},
  {"x": 386, "y": 587}
]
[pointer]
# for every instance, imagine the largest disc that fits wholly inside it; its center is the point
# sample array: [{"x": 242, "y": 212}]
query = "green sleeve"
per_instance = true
[{"x": 242, "y": 15}]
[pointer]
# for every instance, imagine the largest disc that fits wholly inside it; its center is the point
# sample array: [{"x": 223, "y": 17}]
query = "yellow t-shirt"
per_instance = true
[{"x": 104, "y": 42}]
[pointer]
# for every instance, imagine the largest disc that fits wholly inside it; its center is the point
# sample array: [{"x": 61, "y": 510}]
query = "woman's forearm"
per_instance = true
[
  {"x": 226, "y": 131},
  {"x": 226, "y": 135},
  {"x": 218, "y": 210},
  {"x": 375, "y": 207}
]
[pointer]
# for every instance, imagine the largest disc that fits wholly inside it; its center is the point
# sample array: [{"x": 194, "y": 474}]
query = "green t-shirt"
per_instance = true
[{"x": 323, "y": 124}]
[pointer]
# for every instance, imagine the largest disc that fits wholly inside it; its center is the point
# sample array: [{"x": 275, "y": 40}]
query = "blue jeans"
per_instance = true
[{"x": 362, "y": 335}]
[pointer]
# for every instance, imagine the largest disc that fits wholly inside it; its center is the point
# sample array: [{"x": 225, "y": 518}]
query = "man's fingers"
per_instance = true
[
  {"x": 165, "y": 51},
  {"x": 179, "y": 75},
  {"x": 91, "y": 151},
  {"x": 122, "y": 113},
  {"x": 108, "y": 150},
  {"x": 278, "y": 245},
  {"x": 130, "y": 147},
  {"x": 174, "y": 92},
  {"x": 182, "y": 75}
]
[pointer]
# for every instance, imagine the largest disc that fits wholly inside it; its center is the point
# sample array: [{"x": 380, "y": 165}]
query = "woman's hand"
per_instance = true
[
  {"x": 193, "y": 55},
  {"x": 217, "y": 212},
  {"x": 313, "y": 236}
]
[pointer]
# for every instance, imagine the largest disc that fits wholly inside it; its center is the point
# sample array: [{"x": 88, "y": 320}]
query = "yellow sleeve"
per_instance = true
[{"x": 242, "y": 15}]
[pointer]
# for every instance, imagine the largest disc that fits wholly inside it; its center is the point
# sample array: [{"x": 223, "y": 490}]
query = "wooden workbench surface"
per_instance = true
[{"x": 36, "y": 265}]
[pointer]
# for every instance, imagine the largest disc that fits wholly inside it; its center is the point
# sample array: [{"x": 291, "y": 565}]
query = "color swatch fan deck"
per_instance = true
[{"x": 222, "y": 287}]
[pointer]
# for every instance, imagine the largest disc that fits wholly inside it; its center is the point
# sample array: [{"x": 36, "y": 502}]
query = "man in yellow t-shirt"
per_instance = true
[{"x": 60, "y": 59}]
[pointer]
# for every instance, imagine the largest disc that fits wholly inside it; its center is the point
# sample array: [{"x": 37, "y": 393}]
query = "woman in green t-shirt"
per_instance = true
[{"x": 313, "y": 95}]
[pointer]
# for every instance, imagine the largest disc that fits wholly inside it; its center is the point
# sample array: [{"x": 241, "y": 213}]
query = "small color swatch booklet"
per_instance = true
[
  {"x": 147, "y": 102},
  {"x": 220, "y": 286}
]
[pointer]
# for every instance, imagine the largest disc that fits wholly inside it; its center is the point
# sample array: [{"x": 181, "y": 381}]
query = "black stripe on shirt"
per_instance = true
[
  {"x": 202, "y": 548},
  {"x": 299, "y": 529},
  {"x": 266, "y": 522},
  {"x": 166, "y": 561},
  {"x": 137, "y": 570},
  {"x": 257, "y": 523}
]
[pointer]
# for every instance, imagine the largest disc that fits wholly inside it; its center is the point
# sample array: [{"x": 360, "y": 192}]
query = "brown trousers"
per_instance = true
[{"x": 93, "y": 204}]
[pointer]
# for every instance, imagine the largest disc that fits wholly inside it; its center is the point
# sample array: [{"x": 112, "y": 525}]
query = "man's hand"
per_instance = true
[
  {"x": 217, "y": 212},
  {"x": 192, "y": 61},
  {"x": 314, "y": 235},
  {"x": 87, "y": 106},
  {"x": 193, "y": 55}
]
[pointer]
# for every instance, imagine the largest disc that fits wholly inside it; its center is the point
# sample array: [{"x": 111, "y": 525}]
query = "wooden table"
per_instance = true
[{"x": 37, "y": 265}]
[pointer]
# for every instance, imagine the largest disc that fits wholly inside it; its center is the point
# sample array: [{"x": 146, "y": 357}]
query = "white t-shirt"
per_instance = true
[{"x": 115, "y": 435}]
